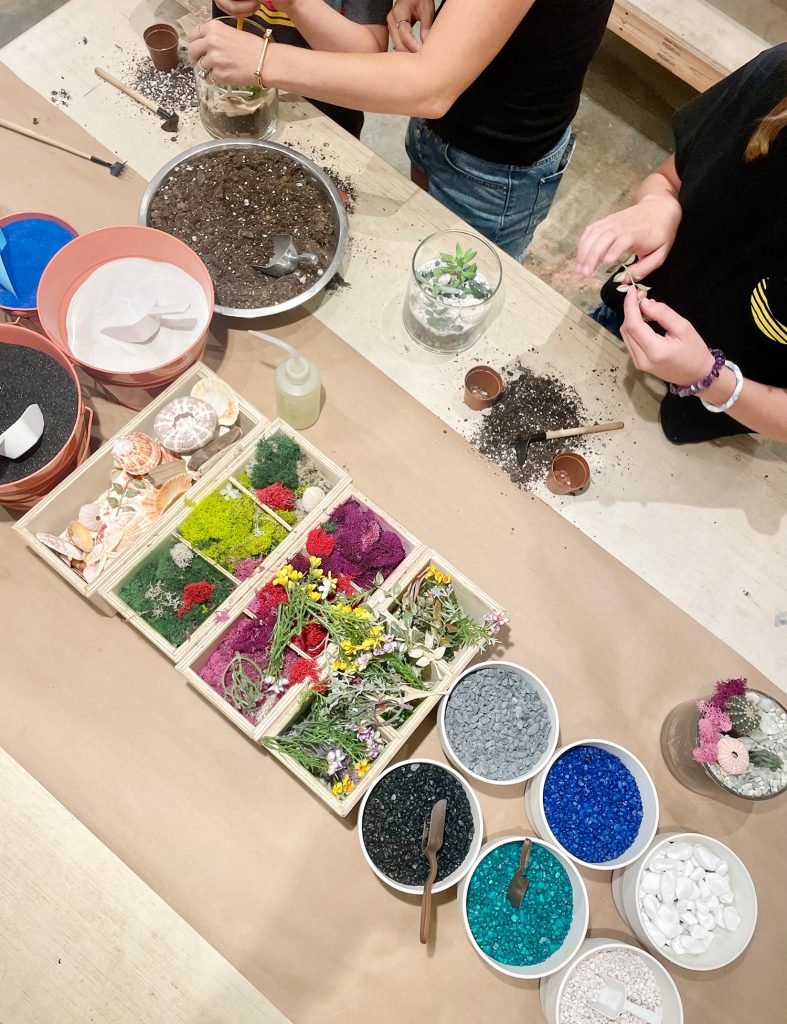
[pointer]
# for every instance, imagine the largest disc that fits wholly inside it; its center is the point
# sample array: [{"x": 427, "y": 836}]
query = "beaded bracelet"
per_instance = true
[
  {"x": 686, "y": 391},
  {"x": 736, "y": 394}
]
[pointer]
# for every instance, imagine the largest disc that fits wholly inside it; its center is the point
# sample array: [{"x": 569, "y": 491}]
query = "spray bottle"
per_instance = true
[{"x": 297, "y": 386}]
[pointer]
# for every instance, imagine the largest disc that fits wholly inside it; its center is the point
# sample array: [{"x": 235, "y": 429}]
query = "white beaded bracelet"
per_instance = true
[{"x": 733, "y": 397}]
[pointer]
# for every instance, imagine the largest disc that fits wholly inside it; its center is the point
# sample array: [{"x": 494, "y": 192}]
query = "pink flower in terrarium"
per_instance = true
[
  {"x": 732, "y": 756},
  {"x": 727, "y": 688},
  {"x": 705, "y": 754}
]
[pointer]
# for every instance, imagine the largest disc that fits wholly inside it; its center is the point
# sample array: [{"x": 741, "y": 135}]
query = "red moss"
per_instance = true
[
  {"x": 277, "y": 496},
  {"x": 195, "y": 593},
  {"x": 344, "y": 585},
  {"x": 269, "y": 596},
  {"x": 303, "y": 669},
  {"x": 319, "y": 543},
  {"x": 312, "y": 639}
]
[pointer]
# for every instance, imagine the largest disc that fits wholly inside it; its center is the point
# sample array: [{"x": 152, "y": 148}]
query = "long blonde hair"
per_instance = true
[{"x": 766, "y": 132}]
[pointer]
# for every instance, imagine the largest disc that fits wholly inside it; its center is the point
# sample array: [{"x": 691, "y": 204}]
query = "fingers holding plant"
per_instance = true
[
  {"x": 647, "y": 229},
  {"x": 680, "y": 356},
  {"x": 225, "y": 54}
]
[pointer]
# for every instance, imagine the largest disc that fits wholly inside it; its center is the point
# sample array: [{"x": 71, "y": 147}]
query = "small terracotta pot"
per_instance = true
[
  {"x": 483, "y": 387},
  {"x": 568, "y": 474},
  {"x": 162, "y": 43}
]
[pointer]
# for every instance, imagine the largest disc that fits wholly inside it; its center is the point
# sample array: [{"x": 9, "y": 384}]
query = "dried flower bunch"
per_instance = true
[{"x": 726, "y": 717}]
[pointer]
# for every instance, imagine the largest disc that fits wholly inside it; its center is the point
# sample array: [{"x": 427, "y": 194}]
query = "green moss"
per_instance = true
[
  {"x": 288, "y": 517},
  {"x": 154, "y": 591},
  {"x": 229, "y": 530},
  {"x": 275, "y": 461},
  {"x": 243, "y": 478}
]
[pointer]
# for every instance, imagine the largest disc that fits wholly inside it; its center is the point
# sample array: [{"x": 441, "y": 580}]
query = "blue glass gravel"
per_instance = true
[
  {"x": 531, "y": 934},
  {"x": 592, "y": 804},
  {"x": 30, "y": 245}
]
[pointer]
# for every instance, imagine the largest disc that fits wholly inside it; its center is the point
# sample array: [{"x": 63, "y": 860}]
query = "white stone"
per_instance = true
[
  {"x": 679, "y": 851},
  {"x": 707, "y": 921},
  {"x": 677, "y": 946},
  {"x": 718, "y": 913},
  {"x": 717, "y": 884},
  {"x": 704, "y": 857},
  {"x": 714, "y": 901},
  {"x": 695, "y": 892},
  {"x": 667, "y": 915},
  {"x": 701, "y": 906},
  {"x": 671, "y": 931},
  {"x": 731, "y": 918},
  {"x": 661, "y": 864},
  {"x": 698, "y": 932},
  {"x": 697, "y": 874},
  {"x": 683, "y": 905},
  {"x": 668, "y": 884},
  {"x": 683, "y": 887},
  {"x": 705, "y": 890},
  {"x": 651, "y": 905},
  {"x": 689, "y": 918},
  {"x": 651, "y": 882},
  {"x": 722, "y": 867},
  {"x": 657, "y": 937},
  {"x": 696, "y": 946},
  {"x": 725, "y": 899}
]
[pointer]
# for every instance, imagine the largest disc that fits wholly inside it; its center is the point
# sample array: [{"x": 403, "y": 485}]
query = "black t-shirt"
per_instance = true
[
  {"x": 518, "y": 109},
  {"x": 727, "y": 270},
  {"x": 364, "y": 12}
]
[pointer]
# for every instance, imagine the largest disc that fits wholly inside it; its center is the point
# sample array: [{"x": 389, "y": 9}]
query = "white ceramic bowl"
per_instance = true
[
  {"x": 625, "y": 890},
  {"x": 475, "y": 845},
  {"x": 552, "y": 987},
  {"x": 549, "y": 704},
  {"x": 534, "y": 805},
  {"x": 576, "y": 932}
]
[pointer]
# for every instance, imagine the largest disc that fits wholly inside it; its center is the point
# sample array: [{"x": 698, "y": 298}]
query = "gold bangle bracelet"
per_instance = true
[{"x": 265, "y": 40}]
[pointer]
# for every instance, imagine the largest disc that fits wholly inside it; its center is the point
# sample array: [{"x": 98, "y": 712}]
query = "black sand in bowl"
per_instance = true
[{"x": 29, "y": 377}]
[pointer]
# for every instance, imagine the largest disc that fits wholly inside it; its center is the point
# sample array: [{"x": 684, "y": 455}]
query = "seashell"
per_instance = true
[
  {"x": 61, "y": 546},
  {"x": 185, "y": 424},
  {"x": 90, "y": 572},
  {"x": 220, "y": 397},
  {"x": 172, "y": 490},
  {"x": 679, "y": 851},
  {"x": 80, "y": 536},
  {"x": 137, "y": 453},
  {"x": 90, "y": 516},
  {"x": 96, "y": 554},
  {"x": 311, "y": 498}
]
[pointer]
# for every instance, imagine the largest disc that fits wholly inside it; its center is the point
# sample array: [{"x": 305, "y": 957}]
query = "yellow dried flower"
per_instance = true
[{"x": 337, "y": 789}]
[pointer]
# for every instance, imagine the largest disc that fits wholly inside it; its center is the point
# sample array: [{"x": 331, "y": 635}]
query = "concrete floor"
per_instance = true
[{"x": 622, "y": 130}]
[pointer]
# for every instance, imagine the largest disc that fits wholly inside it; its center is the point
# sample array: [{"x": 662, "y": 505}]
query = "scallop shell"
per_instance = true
[
  {"x": 185, "y": 424},
  {"x": 79, "y": 535},
  {"x": 90, "y": 516},
  {"x": 137, "y": 453},
  {"x": 172, "y": 490},
  {"x": 61, "y": 546},
  {"x": 220, "y": 396}
]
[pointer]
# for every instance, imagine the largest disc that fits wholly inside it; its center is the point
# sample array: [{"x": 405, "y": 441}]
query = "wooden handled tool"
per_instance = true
[
  {"x": 522, "y": 444},
  {"x": 431, "y": 842},
  {"x": 114, "y": 168},
  {"x": 169, "y": 119}
]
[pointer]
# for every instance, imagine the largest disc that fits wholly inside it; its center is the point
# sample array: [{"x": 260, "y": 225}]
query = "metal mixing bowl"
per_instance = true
[{"x": 315, "y": 172}]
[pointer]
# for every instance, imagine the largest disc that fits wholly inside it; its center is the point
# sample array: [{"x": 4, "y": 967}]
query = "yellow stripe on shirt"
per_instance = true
[
  {"x": 763, "y": 316},
  {"x": 275, "y": 17}
]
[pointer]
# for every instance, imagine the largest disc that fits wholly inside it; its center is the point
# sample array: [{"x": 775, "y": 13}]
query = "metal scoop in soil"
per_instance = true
[{"x": 286, "y": 258}]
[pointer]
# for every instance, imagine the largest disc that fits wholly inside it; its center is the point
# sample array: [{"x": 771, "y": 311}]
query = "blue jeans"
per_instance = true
[
  {"x": 504, "y": 202},
  {"x": 608, "y": 318}
]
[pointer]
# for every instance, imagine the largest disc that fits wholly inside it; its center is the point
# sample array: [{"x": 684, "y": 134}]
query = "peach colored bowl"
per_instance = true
[
  {"x": 20, "y": 495},
  {"x": 77, "y": 260},
  {"x": 28, "y": 313}
]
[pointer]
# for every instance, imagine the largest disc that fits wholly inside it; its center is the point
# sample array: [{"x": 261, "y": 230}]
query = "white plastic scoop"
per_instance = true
[
  {"x": 23, "y": 434},
  {"x": 611, "y": 1001},
  {"x": 138, "y": 329}
]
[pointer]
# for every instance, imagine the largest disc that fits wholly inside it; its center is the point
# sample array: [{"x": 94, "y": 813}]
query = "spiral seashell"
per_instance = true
[
  {"x": 137, "y": 453},
  {"x": 220, "y": 396},
  {"x": 185, "y": 424},
  {"x": 90, "y": 516}
]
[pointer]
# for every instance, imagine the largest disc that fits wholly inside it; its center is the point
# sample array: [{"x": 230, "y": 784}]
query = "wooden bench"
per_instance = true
[{"x": 699, "y": 41}]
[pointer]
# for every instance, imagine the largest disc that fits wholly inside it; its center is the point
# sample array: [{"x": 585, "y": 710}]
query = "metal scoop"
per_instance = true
[
  {"x": 142, "y": 328},
  {"x": 431, "y": 843},
  {"x": 286, "y": 258},
  {"x": 611, "y": 1001},
  {"x": 517, "y": 887}
]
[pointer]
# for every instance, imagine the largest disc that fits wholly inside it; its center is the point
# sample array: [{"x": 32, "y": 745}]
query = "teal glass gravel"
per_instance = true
[{"x": 520, "y": 938}]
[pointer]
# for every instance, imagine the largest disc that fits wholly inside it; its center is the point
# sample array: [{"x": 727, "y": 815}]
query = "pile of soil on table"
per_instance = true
[
  {"x": 227, "y": 206},
  {"x": 530, "y": 402}
]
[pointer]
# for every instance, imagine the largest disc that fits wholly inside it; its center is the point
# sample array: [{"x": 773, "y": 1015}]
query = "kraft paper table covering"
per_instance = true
[{"x": 229, "y": 838}]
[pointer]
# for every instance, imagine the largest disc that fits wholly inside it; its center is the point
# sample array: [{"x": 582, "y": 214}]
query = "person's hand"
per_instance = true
[
  {"x": 224, "y": 54},
  {"x": 679, "y": 357},
  {"x": 647, "y": 230},
  {"x": 239, "y": 8},
  {"x": 403, "y": 15}
]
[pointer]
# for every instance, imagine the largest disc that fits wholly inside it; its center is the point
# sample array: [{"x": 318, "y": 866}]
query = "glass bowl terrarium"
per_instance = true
[
  {"x": 455, "y": 277},
  {"x": 233, "y": 112}
]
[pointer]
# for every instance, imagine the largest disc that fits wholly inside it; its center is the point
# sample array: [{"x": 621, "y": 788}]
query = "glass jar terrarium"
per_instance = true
[
  {"x": 455, "y": 277},
  {"x": 680, "y": 736},
  {"x": 236, "y": 112}
]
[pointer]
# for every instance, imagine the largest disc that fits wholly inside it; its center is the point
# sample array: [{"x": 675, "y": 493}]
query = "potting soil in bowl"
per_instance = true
[
  {"x": 29, "y": 377},
  {"x": 497, "y": 724},
  {"x": 531, "y": 934},
  {"x": 394, "y": 817},
  {"x": 30, "y": 245},
  {"x": 592, "y": 804}
]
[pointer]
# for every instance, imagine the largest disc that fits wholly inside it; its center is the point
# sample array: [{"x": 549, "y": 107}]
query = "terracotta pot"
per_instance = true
[
  {"x": 20, "y": 495},
  {"x": 568, "y": 474},
  {"x": 483, "y": 387},
  {"x": 30, "y": 313},
  {"x": 162, "y": 43},
  {"x": 76, "y": 261}
]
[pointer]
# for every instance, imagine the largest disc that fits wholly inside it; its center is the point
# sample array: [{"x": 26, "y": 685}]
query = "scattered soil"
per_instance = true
[
  {"x": 227, "y": 206},
  {"x": 173, "y": 90},
  {"x": 60, "y": 97},
  {"x": 27, "y": 378},
  {"x": 530, "y": 402}
]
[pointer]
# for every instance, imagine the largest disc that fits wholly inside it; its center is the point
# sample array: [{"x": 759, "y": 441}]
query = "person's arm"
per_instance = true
[
  {"x": 324, "y": 28},
  {"x": 422, "y": 84},
  {"x": 406, "y": 13},
  {"x": 682, "y": 357},
  {"x": 647, "y": 229}
]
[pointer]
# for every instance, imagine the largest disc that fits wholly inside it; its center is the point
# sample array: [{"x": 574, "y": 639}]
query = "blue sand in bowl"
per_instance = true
[
  {"x": 592, "y": 804},
  {"x": 531, "y": 934},
  {"x": 30, "y": 245}
]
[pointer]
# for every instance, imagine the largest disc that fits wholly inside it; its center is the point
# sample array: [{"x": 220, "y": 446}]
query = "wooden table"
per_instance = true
[
  {"x": 234, "y": 843},
  {"x": 704, "y": 525}
]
